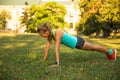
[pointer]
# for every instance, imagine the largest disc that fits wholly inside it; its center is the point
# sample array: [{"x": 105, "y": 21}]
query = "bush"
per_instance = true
[
  {"x": 4, "y": 15},
  {"x": 51, "y": 12}
]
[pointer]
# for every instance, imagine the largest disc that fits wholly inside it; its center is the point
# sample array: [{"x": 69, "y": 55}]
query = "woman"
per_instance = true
[{"x": 59, "y": 36}]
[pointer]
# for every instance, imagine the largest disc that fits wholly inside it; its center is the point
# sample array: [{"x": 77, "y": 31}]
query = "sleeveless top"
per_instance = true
[{"x": 67, "y": 39}]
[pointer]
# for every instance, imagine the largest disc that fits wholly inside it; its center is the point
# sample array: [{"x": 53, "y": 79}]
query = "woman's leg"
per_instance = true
[
  {"x": 91, "y": 47},
  {"x": 110, "y": 55}
]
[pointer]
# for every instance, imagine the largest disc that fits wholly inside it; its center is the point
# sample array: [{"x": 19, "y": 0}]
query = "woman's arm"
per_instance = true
[
  {"x": 46, "y": 50},
  {"x": 58, "y": 36}
]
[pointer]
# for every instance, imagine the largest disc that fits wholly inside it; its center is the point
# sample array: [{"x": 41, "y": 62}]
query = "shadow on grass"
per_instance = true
[{"x": 17, "y": 53}]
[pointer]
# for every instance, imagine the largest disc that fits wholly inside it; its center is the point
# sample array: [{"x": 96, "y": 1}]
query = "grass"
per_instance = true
[{"x": 21, "y": 59}]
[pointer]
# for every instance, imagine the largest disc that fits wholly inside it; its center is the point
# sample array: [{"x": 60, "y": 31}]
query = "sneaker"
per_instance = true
[{"x": 112, "y": 56}]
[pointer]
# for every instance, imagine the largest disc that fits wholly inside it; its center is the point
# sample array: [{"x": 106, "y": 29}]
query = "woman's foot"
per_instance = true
[{"x": 112, "y": 56}]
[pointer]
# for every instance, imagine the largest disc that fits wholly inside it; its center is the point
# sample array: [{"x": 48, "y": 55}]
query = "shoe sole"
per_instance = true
[{"x": 115, "y": 54}]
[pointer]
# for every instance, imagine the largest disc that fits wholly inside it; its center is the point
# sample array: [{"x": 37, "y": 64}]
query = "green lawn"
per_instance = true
[{"x": 21, "y": 59}]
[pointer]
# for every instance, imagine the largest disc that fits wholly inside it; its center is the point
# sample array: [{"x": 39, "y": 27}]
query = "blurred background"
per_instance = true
[{"x": 100, "y": 18}]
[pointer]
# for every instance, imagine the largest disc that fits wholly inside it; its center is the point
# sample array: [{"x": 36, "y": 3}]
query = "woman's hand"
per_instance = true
[{"x": 54, "y": 65}]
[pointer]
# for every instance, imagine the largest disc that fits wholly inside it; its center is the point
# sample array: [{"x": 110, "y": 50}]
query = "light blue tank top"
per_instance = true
[{"x": 67, "y": 39}]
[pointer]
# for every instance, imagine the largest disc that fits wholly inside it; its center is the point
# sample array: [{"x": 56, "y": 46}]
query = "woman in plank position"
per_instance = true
[{"x": 61, "y": 37}]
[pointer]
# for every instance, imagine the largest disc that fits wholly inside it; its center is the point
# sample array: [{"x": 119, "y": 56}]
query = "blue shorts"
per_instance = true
[{"x": 80, "y": 42}]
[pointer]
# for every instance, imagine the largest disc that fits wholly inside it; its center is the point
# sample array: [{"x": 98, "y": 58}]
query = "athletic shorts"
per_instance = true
[{"x": 80, "y": 42}]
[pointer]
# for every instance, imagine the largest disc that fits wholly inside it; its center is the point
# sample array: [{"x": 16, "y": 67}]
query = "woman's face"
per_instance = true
[{"x": 45, "y": 34}]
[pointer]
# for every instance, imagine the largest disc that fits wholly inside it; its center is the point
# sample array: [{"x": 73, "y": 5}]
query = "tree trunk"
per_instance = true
[
  {"x": 107, "y": 30},
  {"x": 98, "y": 34}
]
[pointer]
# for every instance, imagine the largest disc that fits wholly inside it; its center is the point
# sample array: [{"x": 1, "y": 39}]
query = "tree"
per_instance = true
[
  {"x": 4, "y": 16},
  {"x": 53, "y": 13},
  {"x": 27, "y": 19},
  {"x": 110, "y": 15},
  {"x": 100, "y": 15},
  {"x": 88, "y": 10}
]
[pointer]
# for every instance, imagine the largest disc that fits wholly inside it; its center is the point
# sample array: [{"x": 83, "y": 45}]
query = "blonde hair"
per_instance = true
[{"x": 45, "y": 27}]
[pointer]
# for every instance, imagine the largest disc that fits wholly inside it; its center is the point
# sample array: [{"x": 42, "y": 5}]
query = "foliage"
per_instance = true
[
  {"x": 27, "y": 19},
  {"x": 100, "y": 15},
  {"x": 110, "y": 14},
  {"x": 21, "y": 59},
  {"x": 4, "y": 16},
  {"x": 53, "y": 13}
]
